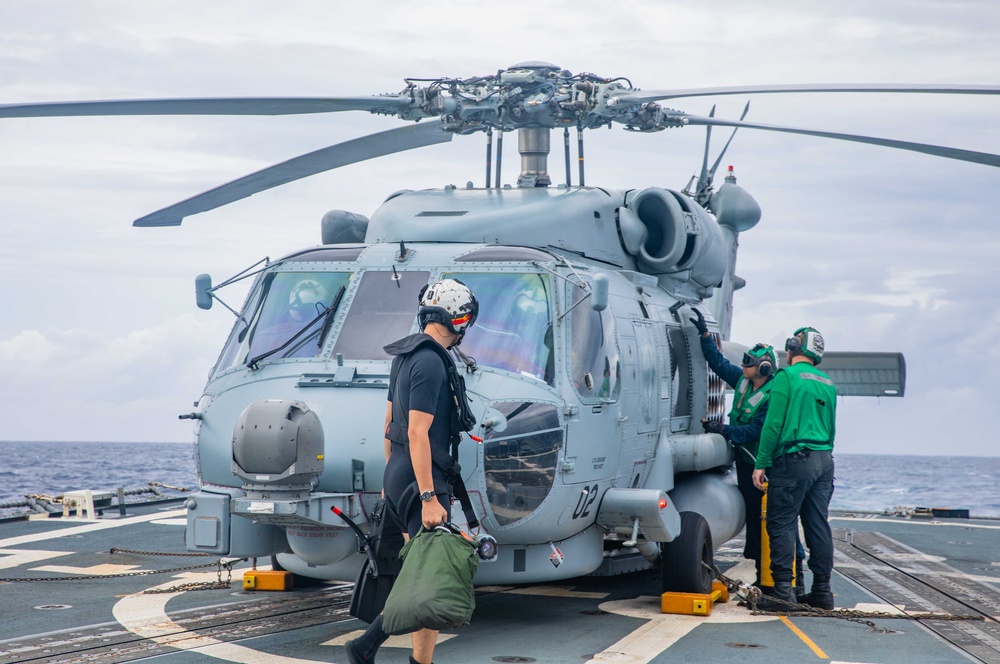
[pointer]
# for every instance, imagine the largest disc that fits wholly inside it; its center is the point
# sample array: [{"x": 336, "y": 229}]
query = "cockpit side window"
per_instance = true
[
  {"x": 285, "y": 304},
  {"x": 382, "y": 311},
  {"x": 595, "y": 366},
  {"x": 520, "y": 462},
  {"x": 514, "y": 329}
]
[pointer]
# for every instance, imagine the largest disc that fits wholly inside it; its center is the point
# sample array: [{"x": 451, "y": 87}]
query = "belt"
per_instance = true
[{"x": 803, "y": 453}]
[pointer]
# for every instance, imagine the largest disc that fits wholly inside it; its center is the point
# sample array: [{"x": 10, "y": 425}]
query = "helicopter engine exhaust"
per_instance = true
[{"x": 669, "y": 234}]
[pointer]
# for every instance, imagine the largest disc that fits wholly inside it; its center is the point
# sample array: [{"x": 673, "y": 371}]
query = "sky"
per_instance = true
[{"x": 879, "y": 249}]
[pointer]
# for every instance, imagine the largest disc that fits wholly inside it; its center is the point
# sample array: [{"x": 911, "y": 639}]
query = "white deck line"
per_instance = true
[{"x": 89, "y": 528}]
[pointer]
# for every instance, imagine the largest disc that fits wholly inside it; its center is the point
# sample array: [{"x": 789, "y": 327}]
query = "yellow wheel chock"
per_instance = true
[{"x": 694, "y": 604}]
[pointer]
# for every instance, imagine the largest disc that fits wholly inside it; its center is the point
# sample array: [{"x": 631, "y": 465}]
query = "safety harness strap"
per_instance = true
[{"x": 447, "y": 463}]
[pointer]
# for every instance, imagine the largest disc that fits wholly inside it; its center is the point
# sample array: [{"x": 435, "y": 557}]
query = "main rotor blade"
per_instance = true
[
  {"x": 640, "y": 96},
  {"x": 937, "y": 150},
  {"x": 334, "y": 156},
  {"x": 703, "y": 176},
  {"x": 205, "y": 106}
]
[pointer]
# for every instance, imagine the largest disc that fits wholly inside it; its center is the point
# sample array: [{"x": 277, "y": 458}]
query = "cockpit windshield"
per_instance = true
[
  {"x": 384, "y": 310},
  {"x": 285, "y": 304},
  {"x": 514, "y": 328}
]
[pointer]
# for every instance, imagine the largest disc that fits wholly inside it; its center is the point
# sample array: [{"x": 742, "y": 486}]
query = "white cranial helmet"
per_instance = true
[{"x": 449, "y": 302}]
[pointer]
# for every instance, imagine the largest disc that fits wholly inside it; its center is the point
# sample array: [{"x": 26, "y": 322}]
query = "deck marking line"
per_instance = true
[
  {"x": 19, "y": 557},
  {"x": 917, "y": 523},
  {"x": 871, "y": 607},
  {"x": 146, "y": 616},
  {"x": 662, "y": 630},
  {"x": 555, "y": 591},
  {"x": 179, "y": 521},
  {"x": 95, "y": 570},
  {"x": 400, "y": 641},
  {"x": 805, "y": 639},
  {"x": 88, "y": 528}
]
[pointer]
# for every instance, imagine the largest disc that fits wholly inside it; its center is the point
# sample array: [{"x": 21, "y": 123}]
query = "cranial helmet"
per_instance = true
[
  {"x": 306, "y": 300},
  {"x": 449, "y": 302},
  {"x": 761, "y": 356},
  {"x": 807, "y": 341}
]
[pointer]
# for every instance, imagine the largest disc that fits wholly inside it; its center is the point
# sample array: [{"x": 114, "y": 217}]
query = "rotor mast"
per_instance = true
[{"x": 533, "y": 145}]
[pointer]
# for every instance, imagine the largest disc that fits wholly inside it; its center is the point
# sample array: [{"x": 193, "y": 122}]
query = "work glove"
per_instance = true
[
  {"x": 713, "y": 427},
  {"x": 699, "y": 323}
]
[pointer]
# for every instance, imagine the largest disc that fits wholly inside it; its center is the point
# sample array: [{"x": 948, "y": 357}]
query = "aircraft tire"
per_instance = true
[
  {"x": 681, "y": 568},
  {"x": 298, "y": 581}
]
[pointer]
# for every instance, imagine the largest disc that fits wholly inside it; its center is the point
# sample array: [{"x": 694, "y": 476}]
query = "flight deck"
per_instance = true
[{"x": 139, "y": 603}]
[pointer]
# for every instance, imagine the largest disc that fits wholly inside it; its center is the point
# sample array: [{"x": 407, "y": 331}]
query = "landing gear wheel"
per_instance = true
[
  {"x": 681, "y": 568},
  {"x": 298, "y": 581}
]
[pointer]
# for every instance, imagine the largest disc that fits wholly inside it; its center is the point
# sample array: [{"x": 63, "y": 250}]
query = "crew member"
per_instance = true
[
  {"x": 752, "y": 386},
  {"x": 421, "y": 415},
  {"x": 796, "y": 453}
]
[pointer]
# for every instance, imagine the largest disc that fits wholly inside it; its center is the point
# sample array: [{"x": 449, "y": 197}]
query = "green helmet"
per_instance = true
[
  {"x": 807, "y": 341},
  {"x": 761, "y": 356}
]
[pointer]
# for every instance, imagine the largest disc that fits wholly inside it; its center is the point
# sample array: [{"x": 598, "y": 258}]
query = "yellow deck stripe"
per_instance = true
[{"x": 805, "y": 639}]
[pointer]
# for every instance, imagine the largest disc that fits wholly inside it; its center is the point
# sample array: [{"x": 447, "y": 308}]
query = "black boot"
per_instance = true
[
  {"x": 353, "y": 656},
  {"x": 821, "y": 597},
  {"x": 781, "y": 599},
  {"x": 362, "y": 649},
  {"x": 800, "y": 583}
]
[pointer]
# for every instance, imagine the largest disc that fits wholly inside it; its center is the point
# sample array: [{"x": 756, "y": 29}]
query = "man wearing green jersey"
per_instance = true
[{"x": 795, "y": 450}]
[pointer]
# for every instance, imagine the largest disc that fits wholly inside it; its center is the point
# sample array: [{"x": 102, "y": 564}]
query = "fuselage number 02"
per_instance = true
[{"x": 586, "y": 501}]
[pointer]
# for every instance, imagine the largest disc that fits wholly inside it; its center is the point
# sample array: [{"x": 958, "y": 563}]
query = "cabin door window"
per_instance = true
[{"x": 595, "y": 365}]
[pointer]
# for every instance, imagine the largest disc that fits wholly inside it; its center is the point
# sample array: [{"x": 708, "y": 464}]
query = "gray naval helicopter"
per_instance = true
[{"x": 584, "y": 373}]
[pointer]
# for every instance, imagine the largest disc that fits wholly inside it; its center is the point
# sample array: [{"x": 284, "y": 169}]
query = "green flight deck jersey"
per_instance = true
[
  {"x": 802, "y": 413},
  {"x": 746, "y": 402}
]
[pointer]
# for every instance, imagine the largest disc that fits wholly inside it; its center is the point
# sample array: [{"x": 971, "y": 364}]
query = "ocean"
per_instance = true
[{"x": 864, "y": 481}]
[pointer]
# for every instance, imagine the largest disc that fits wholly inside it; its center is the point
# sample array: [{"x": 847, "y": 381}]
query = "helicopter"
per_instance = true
[{"x": 583, "y": 369}]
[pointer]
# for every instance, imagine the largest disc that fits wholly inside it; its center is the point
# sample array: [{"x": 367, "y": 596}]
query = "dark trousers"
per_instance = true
[
  {"x": 751, "y": 500},
  {"x": 800, "y": 485}
]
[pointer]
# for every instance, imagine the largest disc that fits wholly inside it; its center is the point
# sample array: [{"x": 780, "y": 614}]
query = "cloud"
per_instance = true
[
  {"x": 28, "y": 346},
  {"x": 78, "y": 385},
  {"x": 880, "y": 249}
]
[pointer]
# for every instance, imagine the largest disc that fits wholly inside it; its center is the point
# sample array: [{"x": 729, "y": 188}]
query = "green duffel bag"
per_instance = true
[{"x": 434, "y": 588}]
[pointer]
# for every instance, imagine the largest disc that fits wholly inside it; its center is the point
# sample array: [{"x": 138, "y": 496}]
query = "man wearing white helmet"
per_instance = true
[
  {"x": 795, "y": 451},
  {"x": 426, "y": 412}
]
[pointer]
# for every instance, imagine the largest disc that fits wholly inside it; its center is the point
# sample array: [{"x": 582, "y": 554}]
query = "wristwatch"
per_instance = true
[{"x": 427, "y": 496}]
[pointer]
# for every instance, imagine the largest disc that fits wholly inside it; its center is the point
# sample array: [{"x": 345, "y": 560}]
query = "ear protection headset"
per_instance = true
[
  {"x": 762, "y": 357},
  {"x": 807, "y": 341}
]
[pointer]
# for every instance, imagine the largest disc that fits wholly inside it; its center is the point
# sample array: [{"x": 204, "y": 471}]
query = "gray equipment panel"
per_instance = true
[{"x": 858, "y": 374}]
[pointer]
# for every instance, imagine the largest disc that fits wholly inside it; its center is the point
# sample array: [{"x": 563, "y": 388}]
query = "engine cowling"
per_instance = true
[
  {"x": 669, "y": 234},
  {"x": 734, "y": 207}
]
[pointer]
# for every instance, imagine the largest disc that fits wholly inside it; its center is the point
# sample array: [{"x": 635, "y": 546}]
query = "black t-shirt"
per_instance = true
[{"x": 422, "y": 384}]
